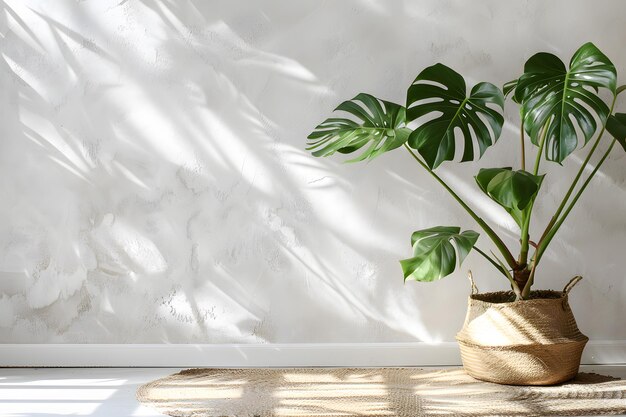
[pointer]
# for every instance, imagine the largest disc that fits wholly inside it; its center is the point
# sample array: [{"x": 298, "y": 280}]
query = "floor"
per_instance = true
[{"x": 102, "y": 392}]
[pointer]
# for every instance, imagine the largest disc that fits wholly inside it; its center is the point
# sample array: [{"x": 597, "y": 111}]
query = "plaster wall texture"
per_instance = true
[{"x": 155, "y": 188}]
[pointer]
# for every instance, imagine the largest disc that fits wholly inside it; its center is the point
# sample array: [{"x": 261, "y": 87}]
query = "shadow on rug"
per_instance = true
[{"x": 373, "y": 392}]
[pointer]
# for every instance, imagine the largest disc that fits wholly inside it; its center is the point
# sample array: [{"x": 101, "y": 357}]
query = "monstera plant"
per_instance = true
[
  {"x": 519, "y": 336},
  {"x": 562, "y": 108}
]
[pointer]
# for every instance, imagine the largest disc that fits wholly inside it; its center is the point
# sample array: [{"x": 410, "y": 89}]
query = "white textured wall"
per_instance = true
[{"x": 154, "y": 186}]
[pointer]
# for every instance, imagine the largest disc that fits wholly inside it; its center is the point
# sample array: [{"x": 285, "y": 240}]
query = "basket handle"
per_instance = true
[
  {"x": 571, "y": 284},
  {"x": 472, "y": 283}
]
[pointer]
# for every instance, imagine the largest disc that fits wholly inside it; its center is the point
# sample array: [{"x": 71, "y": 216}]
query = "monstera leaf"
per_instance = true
[
  {"x": 557, "y": 98},
  {"x": 509, "y": 88},
  {"x": 441, "y": 92},
  {"x": 380, "y": 124},
  {"x": 616, "y": 125},
  {"x": 513, "y": 190},
  {"x": 434, "y": 256}
]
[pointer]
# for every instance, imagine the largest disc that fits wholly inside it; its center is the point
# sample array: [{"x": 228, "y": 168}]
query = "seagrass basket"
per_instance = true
[{"x": 527, "y": 342}]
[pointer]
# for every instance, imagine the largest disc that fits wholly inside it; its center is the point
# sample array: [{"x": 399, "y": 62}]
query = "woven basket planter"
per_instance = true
[{"x": 527, "y": 342}]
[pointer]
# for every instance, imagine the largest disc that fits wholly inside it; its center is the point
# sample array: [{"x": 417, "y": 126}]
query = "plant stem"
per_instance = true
[
  {"x": 488, "y": 230},
  {"x": 521, "y": 133},
  {"x": 514, "y": 286},
  {"x": 529, "y": 283},
  {"x": 523, "y": 254},
  {"x": 546, "y": 241},
  {"x": 578, "y": 174},
  {"x": 542, "y": 142},
  {"x": 494, "y": 263},
  {"x": 554, "y": 221},
  {"x": 525, "y": 237}
]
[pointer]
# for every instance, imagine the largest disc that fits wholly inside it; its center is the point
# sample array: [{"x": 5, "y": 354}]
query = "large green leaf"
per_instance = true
[
  {"x": 616, "y": 125},
  {"x": 434, "y": 256},
  {"x": 379, "y": 123},
  {"x": 559, "y": 98},
  {"x": 509, "y": 88},
  {"x": 440, "y": 92},
  {"x": 513, "y": 190}
]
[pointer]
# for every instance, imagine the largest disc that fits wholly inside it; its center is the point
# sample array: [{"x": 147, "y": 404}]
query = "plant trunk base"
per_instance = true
[{"x": 520, "y": 276}]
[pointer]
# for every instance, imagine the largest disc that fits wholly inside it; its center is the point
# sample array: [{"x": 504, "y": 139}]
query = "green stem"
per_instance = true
[
  {"x": 523, "y": 256},
  {"x": 521, "y": 132},
  {"x": 514, "y": 286},
  {"x": 569, "y": 192},
  {"x": 488, "y": 230},
  {"x": 546, "y": 241},
  {"x": 494, "y": 263},
  {"x": 529, "y": 283},
  {"x": 548, "y": 233},
  {"x": 542, "y": 142}
]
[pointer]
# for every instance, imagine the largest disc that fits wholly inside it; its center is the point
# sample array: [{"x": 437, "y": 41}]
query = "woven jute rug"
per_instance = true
[{"x": 373, "y": 392}]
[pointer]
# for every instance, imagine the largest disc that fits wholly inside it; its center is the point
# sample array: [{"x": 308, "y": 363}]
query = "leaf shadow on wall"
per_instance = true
[
  {"x": 161, "y": 192},
  {"x": 145, "y": 226}
]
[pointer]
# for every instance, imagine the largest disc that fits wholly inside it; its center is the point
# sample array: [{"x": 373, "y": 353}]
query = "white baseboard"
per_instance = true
[{"x": 261, "y": 355}]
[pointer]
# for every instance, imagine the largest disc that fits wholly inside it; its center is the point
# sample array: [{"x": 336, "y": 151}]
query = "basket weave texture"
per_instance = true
[{"x": 527, "y": 342}]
